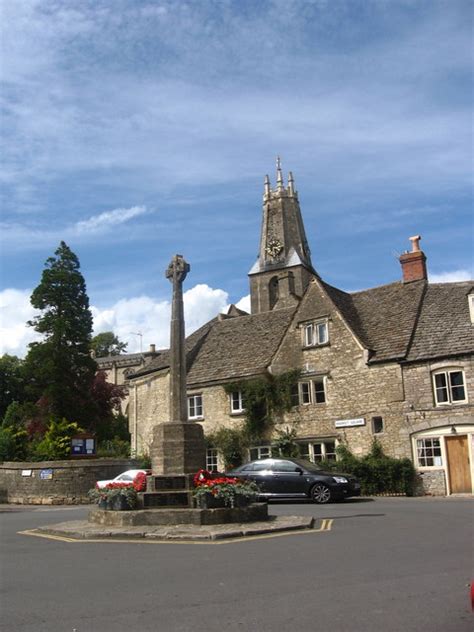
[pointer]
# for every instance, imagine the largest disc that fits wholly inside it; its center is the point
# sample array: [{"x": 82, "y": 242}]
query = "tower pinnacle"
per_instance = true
[{"x": 279, "y": 175}]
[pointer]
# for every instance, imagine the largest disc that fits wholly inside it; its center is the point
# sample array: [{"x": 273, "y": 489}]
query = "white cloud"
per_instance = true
[
  {"x": 244, "y": 303},
  {"x": 450, "y": 277},
  {"x": 126, "y": 318},
  {"x": 108, "y": 219},
  {"x": 15, "y": 311}
]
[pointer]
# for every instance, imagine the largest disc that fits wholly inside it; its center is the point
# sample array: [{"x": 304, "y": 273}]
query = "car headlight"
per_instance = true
[{"x": 340, "y": 479}]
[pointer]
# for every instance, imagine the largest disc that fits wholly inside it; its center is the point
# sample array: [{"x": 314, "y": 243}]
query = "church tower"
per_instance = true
[{"x": 283, "y": 268}]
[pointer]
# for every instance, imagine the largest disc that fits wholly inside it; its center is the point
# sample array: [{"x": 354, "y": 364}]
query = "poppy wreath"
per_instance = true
[
  {"x": 139, "y": 482},
  {"x": 231, "y": 491}
]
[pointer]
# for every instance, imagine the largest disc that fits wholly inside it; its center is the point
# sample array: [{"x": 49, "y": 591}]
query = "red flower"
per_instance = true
[{"x": 139, "y": 482}]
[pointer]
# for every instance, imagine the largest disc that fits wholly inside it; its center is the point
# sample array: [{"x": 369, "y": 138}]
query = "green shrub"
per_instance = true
[
  {"x": 231, "y": 444},
  {"x": 376, "y": 472},
  {"x": 56, "y": 443},
  {"x": 115, "y": 447}
]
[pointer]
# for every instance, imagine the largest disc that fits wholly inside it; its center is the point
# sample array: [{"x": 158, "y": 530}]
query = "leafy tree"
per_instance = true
[
  {"x": 60, "y": 367},
  {"x": 106, "y": 344},
  {"x": 108, "y": 397},
  {"x": 11, "y": 382},
  {"x": 13, "y": 436}
]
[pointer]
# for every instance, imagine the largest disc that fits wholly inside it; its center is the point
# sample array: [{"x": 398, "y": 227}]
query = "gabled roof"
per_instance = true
[
  {"x": 395, "y": 322},
  {"x": 230, "y": 348},
  {"x": 444, "y": 326},
  {"x": 387, "y": 317},
  {"x": 409, "y": 321}
]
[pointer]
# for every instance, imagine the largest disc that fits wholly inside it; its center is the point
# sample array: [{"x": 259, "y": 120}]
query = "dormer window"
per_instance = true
[{"x": 316, "y": 334}]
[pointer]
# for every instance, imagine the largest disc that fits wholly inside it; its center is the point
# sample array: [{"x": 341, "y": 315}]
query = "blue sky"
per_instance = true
[{"x": 134, "y": 130}]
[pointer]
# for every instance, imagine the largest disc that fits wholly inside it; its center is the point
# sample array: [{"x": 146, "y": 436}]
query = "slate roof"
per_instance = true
[
  {"x": 230, "y": 348},
  {"x": 444, "y": 326},
  {"x": 387, "y": 316},
  {"x": 395, "y": 322}
]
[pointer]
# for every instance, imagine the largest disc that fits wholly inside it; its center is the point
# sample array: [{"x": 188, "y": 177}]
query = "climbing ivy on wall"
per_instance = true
[{"x": 265, "y": 399}]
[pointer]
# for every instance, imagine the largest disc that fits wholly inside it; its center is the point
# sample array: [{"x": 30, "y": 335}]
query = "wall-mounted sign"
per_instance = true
[
  {"x": 46, "y": 475},
  {"x": 83, "y": 445},
  {"x": 26, "y": 472},
  {"x": 347, "y": 423}
]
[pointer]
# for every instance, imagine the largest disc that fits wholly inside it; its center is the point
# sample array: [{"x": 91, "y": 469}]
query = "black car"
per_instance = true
[{"x": 297, "y": 478}]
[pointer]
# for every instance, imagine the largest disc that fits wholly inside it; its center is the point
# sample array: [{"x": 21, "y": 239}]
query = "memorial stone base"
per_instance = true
[{"x": 178, "y": 448}]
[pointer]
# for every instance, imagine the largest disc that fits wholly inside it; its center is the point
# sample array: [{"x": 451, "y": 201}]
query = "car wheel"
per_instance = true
[{"x": 320, "y": 493}]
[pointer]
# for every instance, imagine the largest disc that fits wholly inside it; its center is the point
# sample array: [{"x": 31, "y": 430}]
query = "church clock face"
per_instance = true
[{"x": 274, "y": 248}]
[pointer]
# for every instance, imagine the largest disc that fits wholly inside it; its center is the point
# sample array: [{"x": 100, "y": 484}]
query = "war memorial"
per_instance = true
[{"x": 167, "y": 509}]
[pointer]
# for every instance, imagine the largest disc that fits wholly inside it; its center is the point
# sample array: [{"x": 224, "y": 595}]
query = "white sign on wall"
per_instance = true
[{"x": 346, "y": 423}]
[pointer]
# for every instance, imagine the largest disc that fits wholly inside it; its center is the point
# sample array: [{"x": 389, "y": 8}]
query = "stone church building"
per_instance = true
[{"x": 393, "y": 362}]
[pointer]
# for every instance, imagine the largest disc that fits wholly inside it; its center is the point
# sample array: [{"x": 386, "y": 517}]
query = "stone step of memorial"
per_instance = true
[
  {"x": 169, "y": 483},
  {"x": 176, "y": 498}
]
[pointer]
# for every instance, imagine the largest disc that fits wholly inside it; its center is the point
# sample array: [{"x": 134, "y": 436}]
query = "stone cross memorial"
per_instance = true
[{"x": 178, "y": 445}]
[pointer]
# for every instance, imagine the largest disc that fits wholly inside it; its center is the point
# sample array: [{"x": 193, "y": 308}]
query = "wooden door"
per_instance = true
[{"x": 458, "y": 465}]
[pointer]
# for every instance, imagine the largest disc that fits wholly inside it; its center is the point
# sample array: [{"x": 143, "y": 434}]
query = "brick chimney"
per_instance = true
[{"x": 414, "y": 263}]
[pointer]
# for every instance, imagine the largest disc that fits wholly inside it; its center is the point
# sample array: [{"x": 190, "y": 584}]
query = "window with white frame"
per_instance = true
[
  {"x": 429, "y": 452},
  {"x": 309, "y": 392},
  {"x": 315, "y": 334},
  {"x": 195, "y": 407},
  {"x": 212, "y": 457},
  {"x": 449, "y": 387},
  {"x": 236, "y": 403},
  {"x": 317, "y": 451},
  {"x": 260, "y": 452}
]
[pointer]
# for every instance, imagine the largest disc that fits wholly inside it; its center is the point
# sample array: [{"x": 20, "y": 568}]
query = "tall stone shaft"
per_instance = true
[
  {"x": 178, "y": 445},
  {"x": 176, "y": 273}
]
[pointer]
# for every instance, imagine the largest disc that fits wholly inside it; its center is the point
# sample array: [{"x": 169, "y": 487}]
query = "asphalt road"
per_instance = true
[{"x": 390, "y": 565}]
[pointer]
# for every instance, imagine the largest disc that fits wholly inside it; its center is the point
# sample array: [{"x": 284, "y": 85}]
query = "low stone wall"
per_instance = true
[
  {"x": 56, "y": 482},
  {"x": 433, "y": 482}
]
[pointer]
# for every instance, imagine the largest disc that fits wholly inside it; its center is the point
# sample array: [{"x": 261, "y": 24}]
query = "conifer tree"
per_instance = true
[{"x": 60, "y": 367}]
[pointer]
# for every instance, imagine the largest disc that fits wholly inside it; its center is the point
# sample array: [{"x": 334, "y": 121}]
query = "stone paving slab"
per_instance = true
[{"x": 84, "y": 530}]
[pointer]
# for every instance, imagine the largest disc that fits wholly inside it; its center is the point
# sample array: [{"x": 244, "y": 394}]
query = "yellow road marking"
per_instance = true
[{"x": 326, "y": 525}]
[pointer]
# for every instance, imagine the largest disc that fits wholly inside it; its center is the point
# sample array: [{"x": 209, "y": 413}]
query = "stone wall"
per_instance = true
[
  {"x": 56, "y": 482},
  {"x": 149, "y": 406},
  {"x": 433, "y": 483},
  {"x": 422, "y": 413},
  {"x": 354, "y": 389}
]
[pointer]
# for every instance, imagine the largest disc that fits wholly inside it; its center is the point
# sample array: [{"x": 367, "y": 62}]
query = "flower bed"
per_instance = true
[{"x": 216, "y": 490}]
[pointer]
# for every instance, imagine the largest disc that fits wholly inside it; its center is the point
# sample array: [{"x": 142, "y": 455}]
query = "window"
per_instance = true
[
  {"x": 318, "y": 451},
  {"x": 319, "y": 391},
  {"x": 236, "y": 402},
  {"x": 260, "y": 452},
  {"x": 449, "y": 387},
  {"x": 195, "y": 406},
  {"x": 309, "y": 392},
  {"x": 429, "y": 452},
  {"x": 377, "y": 425},
  {"x": 305, "y": 392},
  {"x": 211, "y": 460},
  {"x": 315, "y": 334}
]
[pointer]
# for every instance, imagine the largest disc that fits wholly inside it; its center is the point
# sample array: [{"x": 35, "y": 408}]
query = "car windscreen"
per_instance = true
[{"x": 307, "y": 465}]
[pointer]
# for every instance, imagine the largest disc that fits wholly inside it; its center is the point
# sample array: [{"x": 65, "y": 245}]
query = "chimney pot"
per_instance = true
[
  {"x": 414, "y": 263},
  {"x": 152, "y": 348},
  {"x": 415, "y": 243}
]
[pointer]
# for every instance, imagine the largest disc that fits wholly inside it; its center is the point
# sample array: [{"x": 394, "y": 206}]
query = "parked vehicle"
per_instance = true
[
  {"x": 297, "y": 478},
  {"x": 125, "y": 477}
]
